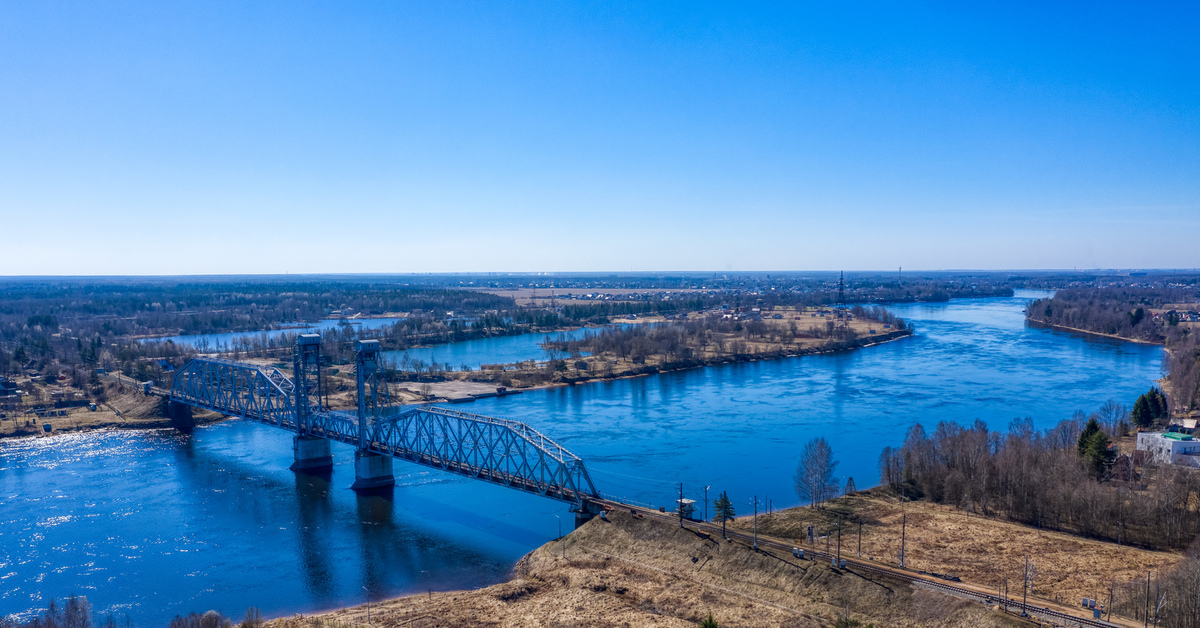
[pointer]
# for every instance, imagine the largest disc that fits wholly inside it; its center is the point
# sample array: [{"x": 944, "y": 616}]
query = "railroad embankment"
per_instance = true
[{"x": 630, "y": 571}]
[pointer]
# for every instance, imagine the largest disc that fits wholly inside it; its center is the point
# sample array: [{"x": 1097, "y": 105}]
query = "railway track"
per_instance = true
[{"x": 1056, "y": 617}]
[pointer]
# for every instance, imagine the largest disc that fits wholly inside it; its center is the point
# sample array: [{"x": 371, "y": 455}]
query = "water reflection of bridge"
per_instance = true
[{"x": 499, "y": 451}]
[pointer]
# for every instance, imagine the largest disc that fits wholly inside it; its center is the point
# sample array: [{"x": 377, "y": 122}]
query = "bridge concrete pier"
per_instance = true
[
  {"x": 372, "y": 471},
  {"x": 312, "y": 453},
  {"x": 586, "y": 512}
]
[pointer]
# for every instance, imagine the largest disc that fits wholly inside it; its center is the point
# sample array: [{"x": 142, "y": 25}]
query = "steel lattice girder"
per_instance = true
[
  {"x": 500, "y": 451},
  {"x": 236, "y": 389}
]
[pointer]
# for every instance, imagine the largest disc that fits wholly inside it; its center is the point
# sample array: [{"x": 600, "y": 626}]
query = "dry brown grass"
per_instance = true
[
  {"x": 980, "y": 550},
  {"x": 639, "y": 572}
]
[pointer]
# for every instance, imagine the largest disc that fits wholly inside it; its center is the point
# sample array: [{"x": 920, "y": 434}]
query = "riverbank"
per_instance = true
[
  {"x": 127, "y": 410},
  {"x": 642, "y": 571},
  {"x": 1037, "y": 323}
]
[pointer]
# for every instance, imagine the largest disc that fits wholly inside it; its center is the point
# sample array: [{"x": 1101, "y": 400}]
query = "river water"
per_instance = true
[{"x": 154, "y": 524}]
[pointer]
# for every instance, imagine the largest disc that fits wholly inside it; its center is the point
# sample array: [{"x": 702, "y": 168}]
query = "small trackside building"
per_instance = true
[{"x": 1169, "y": 448}]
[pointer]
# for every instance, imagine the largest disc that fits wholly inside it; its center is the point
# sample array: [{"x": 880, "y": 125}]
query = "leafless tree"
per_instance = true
[{"x": 814, "y": 475}]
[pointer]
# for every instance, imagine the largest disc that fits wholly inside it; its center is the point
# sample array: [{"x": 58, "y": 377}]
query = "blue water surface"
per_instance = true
[{"x": 154, "y": 523}]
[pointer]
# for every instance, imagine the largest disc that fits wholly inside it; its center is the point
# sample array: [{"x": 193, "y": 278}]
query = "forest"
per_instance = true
[{"x": 1064, "y": 478}]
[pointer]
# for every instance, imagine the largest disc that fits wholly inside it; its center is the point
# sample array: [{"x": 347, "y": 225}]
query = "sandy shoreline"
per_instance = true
[{"x": 1139, "y": 341}]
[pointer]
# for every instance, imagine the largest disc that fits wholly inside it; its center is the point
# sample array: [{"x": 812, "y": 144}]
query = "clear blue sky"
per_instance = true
[{"x": 262, "y": 137}]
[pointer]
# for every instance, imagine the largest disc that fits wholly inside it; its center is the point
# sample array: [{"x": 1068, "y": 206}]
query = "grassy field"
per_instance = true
[
  {"x": 640, "y": 572},
  {"x": 984, "y": 551}
]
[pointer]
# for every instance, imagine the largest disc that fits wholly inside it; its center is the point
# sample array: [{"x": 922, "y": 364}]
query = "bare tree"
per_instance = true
[
  {"x": 814, "y": 475},
  {"x": 891, "y": 467}
]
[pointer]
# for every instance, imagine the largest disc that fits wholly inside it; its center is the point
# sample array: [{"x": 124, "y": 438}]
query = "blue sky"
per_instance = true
[{"x": 264, "y": 137}]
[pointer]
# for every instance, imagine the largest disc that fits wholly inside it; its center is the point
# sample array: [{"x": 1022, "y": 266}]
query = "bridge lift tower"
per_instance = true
[
  {"x": 312, "y": 453},
  {"x": 372, "y": 470}
]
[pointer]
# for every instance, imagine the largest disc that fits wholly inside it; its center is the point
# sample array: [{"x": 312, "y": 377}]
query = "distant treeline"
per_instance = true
[
  {"x": 1064, "y": 478},
  {"x": 1058, "y": 281},
  {"x": 1126, "y": 312},
  {"x": 69, "y": 323},
  {"x": 196, "y": 308},
  {"x": 809, "y": 294}
]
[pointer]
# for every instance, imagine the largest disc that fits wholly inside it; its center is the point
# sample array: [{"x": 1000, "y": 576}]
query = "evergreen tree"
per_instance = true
[
  {"x": 723, "y": 510},
  {"x": 1142, "y": 414},
  {"x": 709, "y": 622},
  {"x": 1091, "y": 429},
  {"x": 1158, "y": 403},
  {"x": 1097, "y": 455}
]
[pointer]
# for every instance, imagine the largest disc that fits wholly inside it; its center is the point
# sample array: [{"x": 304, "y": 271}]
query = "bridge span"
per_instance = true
[{"x": 499, "y": 451}]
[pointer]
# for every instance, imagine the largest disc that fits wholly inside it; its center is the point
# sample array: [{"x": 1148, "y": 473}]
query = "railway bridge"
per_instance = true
[{"x": 499, "y": 451}]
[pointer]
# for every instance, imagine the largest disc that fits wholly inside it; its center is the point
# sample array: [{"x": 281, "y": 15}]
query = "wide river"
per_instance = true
[{"x": 155, "y": 524}]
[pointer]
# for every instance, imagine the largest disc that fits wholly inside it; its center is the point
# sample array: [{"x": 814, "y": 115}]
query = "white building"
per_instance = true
[{"x": 1169, "y": 448}]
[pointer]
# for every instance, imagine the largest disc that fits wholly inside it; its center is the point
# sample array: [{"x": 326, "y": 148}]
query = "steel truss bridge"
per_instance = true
[{"x": 499, "y": 451}]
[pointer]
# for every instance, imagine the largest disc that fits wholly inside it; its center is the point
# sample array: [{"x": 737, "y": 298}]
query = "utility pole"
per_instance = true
[
  {"x": 1111, "y": 585},
  {"x": 903, "y": 529},
  {"x": 756, "y": 524},
  {"x": 860, "y": 538},
  {"x": 1146, "y": 610},
  {"x": 1157, "y": 599},
  {"x": 561, "y": 541},
  {"x": 368, "y": 594},
  {"x": 706, "y": 501},
  {"x": 681, "y": 504},
  {"x": 839, "y": 551},
  {"x": 1025, "y": 591}
]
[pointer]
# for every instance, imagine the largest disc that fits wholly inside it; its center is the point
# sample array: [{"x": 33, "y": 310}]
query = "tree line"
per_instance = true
[{"x": 1064, "y": 478}]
